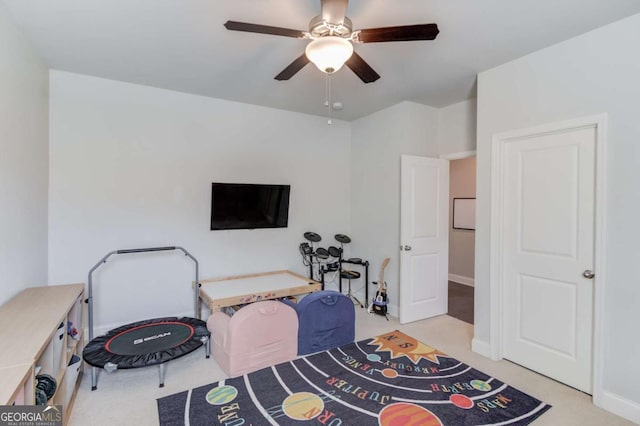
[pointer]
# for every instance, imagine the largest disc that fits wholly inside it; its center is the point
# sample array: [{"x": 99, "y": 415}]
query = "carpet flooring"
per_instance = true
[{"x": 128, "y": 397}]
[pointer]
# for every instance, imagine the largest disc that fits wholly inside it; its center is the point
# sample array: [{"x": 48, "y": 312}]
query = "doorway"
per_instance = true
[{"x": 462, "y": 194}]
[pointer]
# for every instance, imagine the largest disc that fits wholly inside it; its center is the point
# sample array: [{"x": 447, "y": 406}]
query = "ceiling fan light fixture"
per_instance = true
[{"x": 329, "y": 53}]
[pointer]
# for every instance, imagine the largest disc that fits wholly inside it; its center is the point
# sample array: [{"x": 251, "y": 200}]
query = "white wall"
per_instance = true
[
  {"x": 457, "y": 128},
  {"x": 594, "y": 73},
  {"x": 132, "y": 166},
  {"x": 377, "y": 142},
  {"x": 24, "y": 126}
]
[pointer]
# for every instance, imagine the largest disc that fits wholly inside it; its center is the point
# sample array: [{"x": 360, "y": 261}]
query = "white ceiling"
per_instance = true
[{"x": 182, "y": 45}]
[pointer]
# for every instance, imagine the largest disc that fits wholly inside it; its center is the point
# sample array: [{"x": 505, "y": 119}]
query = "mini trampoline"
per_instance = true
[{"x": 144, "y": 343}]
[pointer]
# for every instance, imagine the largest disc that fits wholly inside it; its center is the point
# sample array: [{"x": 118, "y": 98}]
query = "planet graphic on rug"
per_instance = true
[
  {"x": 402, "y": 413},
  {"x": 389, "y": 373},
  {"x": 374, "y": 357},
  {"x": 461, "y": 401},
  {"x": 302, "y": 406},
  {"x": 481, "y": 385},
  {"x": 221, "y": 395}
]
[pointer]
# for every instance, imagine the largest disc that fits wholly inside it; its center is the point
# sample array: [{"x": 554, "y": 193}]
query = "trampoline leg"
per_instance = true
[
  {"x": 162, "y": 375},
  {"x": 207, "y": 347},
  {"x": 94, "y": 386}
]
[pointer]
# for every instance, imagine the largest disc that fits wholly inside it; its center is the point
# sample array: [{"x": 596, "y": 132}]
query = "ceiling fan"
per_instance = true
[{"x": 331, "y": 34}]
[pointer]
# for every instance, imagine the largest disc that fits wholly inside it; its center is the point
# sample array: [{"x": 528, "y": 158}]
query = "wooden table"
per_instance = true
[{"x": 220, "y": 292}]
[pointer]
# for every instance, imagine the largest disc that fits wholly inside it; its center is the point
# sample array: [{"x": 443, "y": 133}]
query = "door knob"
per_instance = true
[
  {"x": 407, "y": 248},
  {"x": 588, "y": 273}
]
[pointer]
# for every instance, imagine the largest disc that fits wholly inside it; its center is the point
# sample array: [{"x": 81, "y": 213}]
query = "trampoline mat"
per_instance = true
[{"x": 145, "y": 343}]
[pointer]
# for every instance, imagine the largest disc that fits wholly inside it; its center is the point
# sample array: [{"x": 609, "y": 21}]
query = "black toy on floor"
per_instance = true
[{"x": 380, "y": 301}]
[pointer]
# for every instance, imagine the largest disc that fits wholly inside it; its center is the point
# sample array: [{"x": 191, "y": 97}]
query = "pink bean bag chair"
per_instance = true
[{"x": 259, "y": 335}]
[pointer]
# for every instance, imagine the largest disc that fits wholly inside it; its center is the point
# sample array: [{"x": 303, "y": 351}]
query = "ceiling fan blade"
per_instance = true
[
  {"x": 403, "y": 33},
  {"x": 293, "y": 68},
  {"x": 362, "y": 69},
  {"x": 263, "y": 29},
  {"x": 334, "y": 11}
]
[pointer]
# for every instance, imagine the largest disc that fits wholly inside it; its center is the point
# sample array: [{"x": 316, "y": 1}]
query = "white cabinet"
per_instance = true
[{"x": 35, "y": 329}]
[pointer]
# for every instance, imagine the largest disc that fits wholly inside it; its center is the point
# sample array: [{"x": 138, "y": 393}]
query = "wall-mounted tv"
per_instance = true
[{"x": 249, "y": 206}]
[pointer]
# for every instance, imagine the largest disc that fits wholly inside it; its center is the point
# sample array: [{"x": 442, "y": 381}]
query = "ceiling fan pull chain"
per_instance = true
[
  {"x": 326, "y": 90},
  {"x": 329, "y": 98}
]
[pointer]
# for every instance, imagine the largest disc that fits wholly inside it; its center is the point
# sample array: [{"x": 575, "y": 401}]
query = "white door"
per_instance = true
[
  {"x": 424, "y": 221},
  {"x": 548, "y": 212}
]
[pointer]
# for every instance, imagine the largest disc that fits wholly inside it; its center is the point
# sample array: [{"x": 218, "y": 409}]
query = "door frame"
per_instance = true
[
  {"x": 496, "y": 273},
  {"x": 461, "y": 156}
]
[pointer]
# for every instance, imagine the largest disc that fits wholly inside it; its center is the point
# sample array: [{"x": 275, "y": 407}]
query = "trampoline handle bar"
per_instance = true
[
  {"x": 90, "y": 296},
  {"x": 196, "y": 295},
  {"x": 108, "y": 255},
  {"x": 142, "y": 250}
]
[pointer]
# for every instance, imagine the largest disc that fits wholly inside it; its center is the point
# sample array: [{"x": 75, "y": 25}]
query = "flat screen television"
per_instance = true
[{"x": 249, "y": 206}]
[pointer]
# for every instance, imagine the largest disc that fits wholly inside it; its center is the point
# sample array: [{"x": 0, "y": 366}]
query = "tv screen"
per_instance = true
[{"x": 249, "y": 206}]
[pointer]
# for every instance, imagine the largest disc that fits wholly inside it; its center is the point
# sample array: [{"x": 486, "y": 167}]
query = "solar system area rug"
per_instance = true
[{"x": 390, "y": 380}]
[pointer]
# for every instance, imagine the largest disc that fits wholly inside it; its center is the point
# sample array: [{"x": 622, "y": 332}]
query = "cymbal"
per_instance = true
[
  {"x": 312, "y": 236},
  {"x": 343, "y": 238}
]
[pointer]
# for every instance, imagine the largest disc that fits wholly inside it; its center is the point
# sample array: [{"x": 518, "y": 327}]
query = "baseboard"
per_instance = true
[
  {"x": 621, "y": 406},
  {"x": 393, "y": 310},
  {"x": 462, "y": 280},
  {"x": 99, "y": 330},
  {"x": 481, "y": 347}
]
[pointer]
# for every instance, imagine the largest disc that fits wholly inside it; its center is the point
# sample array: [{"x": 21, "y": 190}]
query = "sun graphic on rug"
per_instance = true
[{"x": 399, "y": 345}]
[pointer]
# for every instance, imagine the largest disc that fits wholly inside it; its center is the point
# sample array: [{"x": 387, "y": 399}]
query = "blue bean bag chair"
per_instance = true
[{"x": 326, "y": 319}]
